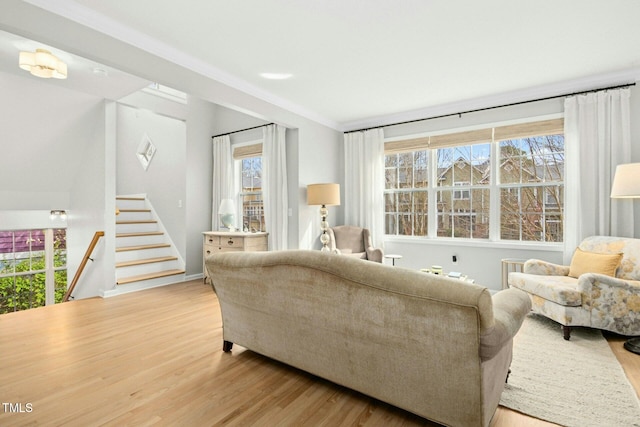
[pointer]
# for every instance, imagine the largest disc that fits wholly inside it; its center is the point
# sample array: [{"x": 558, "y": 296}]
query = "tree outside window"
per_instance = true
[{"x": 530, "y": 187}]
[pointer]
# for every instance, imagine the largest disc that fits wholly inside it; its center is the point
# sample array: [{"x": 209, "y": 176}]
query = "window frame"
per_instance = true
[
  {"x": 245, "y": 151},
  {"x": 410, "y": 143}
]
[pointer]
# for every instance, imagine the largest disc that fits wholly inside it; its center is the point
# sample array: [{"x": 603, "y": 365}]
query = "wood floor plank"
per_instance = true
[{"x": 154, "y": 358}]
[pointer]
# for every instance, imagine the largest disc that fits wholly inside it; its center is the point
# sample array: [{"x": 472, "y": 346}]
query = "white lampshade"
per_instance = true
[
  {"x": 323, "y": 194},
  {"x": 227, "y": 207},
  {"x": 626, "y": 182},
  {"x": 227, "y": 212}
]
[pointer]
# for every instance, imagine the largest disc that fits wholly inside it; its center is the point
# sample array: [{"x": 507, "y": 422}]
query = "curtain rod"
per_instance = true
[
  {"x": 491, "y": 108},
  {"x": 242, "y": 130}
]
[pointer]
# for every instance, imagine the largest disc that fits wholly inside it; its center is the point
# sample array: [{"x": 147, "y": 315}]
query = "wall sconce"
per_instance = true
[
  {"x": 43, "y": 63},
  {"x": 58, "y": 213},
  {"x": 324, "y": 195}
]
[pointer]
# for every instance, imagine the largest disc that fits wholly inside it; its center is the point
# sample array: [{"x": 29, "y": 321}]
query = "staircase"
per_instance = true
[{"x": 145, "y": 255}]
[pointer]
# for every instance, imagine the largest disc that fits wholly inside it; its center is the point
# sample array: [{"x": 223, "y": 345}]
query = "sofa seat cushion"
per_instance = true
[{"x": 561, "y": 290}]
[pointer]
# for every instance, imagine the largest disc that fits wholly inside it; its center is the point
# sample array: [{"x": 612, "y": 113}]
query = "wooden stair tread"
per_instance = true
[
  {"x": 134, "y": 210},
  {"x": 145, "y": 261},
  {"x": 129, "y": 198},
  {"x": 142, "y": 247},
  {"x": 141, "y": 277},
  {"x": 133, "y": 222},
  {"x": 137, "y": 234}
]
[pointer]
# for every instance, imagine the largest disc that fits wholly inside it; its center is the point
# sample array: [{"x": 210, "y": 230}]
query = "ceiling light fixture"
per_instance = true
[{"x": 43, "y": 63}]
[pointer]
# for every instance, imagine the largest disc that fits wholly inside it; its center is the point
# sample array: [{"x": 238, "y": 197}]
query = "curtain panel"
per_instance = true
[
  {"x": 597, "y": 139},
  {"x": 364, "y": 182},
  {"x": 223, "y": 186},
  {"x": 274, "y": 186}
]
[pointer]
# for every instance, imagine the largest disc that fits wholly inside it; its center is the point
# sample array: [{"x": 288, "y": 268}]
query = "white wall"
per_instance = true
[
  {"x": 43, "y": 130},
  {"x": 92, "y": 209},
  {"x": 200, "y": 127}
]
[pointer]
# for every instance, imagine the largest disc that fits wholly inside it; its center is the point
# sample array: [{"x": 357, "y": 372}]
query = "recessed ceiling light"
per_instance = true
[{"x": 276, "y": 76}]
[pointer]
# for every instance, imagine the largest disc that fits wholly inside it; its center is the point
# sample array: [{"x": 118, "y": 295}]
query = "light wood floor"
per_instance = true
[{"x": 155, "y": 358}]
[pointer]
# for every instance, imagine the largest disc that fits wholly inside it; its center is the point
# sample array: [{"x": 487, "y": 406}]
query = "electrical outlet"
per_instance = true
[{"x": 454, "y": 259}]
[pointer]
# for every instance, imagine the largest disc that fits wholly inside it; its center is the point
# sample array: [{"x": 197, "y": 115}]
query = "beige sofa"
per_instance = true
[{"x": 435, "y": 346}]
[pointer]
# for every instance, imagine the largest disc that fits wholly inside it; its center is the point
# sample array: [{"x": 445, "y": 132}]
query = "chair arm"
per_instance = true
[
  {"x": 544, "y": 268},
  {"x": 374, "y": 254},
  {"x": 510, "y": 307},
  {"x": 594, "y": 286}
]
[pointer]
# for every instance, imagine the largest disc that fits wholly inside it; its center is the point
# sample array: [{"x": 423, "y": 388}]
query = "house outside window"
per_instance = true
[
  {"x": 514, "y": 173},
  {"x": 27, "y": 257},
  {"x": 251, "y": 194}
]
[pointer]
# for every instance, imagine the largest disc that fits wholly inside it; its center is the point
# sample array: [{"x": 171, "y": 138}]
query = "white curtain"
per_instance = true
[
  {"x": 222, "y": 176},
  {"x": 597, "y": 139},
  {"x": 364, "y": 182},
  {"x": 274, "y": 186}
]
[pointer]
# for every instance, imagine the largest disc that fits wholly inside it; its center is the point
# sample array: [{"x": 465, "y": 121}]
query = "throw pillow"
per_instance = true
[{"x": 593, "y": 262}]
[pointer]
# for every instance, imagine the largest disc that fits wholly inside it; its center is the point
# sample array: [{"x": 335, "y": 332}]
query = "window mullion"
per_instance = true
[
  {"x": 50, "y": 279},
  {"x": 494, "y": 194},
  {"x": 433, "y": 204}
]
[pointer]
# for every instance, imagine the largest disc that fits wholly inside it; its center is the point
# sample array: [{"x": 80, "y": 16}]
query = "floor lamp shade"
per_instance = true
[
  {"x": 626, "y": 182},
  {"x": 626, "y": 185},
  {"x": 323, "y": 194}
]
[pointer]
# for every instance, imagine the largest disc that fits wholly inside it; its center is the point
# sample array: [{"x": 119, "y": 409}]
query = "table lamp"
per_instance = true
[
  {"x": 227, "y": 212},
  {"x": 324, "y": 195}
]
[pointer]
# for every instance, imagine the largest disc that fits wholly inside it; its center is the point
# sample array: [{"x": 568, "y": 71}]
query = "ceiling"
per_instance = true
[{"x": 362, "y": 63}]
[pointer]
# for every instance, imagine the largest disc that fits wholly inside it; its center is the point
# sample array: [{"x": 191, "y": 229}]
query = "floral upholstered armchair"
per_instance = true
[{"x": 600, "y": 289}]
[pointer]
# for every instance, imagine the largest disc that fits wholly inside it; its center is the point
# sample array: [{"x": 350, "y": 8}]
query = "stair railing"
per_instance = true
[{"x": 86, "y": 257}]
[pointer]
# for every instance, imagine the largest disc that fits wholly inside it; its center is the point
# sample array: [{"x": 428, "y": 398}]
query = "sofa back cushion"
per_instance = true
[{"x": 629, "y": 268}]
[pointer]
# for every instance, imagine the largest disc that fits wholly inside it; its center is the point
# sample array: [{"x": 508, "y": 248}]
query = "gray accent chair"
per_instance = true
[{"x": 354, "y": 242}]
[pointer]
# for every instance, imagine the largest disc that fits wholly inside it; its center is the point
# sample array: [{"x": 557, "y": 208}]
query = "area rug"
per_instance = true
[{"x": 572, "y": 383}]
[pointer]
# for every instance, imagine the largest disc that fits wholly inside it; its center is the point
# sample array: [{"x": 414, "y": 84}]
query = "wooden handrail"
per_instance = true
[{"x": 90, "y": 249}]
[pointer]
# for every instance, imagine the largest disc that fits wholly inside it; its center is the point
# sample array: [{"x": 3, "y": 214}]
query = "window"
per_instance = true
[
  {"x": 24, "y": 266},
  {"x": 406, "y": 201},
  {"x": 249, "y": 157},
  {"x": 251, "y": 194},
  {"x": 532, "y": 188},
  {"x": 455, "y": 171}
]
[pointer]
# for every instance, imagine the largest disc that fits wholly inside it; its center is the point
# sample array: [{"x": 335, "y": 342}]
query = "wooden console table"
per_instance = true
[{"x": 227, "y": 241}]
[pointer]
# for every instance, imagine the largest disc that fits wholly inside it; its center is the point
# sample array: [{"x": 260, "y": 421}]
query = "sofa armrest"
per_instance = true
[
  {"x": 510, "y": 307},
  {"x": 374, "y": 254},
  {"x": 544, "y": 268}
]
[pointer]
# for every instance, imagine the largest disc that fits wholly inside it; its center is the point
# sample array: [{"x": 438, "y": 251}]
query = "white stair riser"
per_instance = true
[
  {"x": 133, "y": 216},
  {"x": 142, "y": 254},
  {"x": 131, "y": 204},
  {"x": 146, "y": 284},
  {"x": 136, "y": 228},
  {"x": 139, "y": 240},
  {"x": 155, "y": 267}
]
